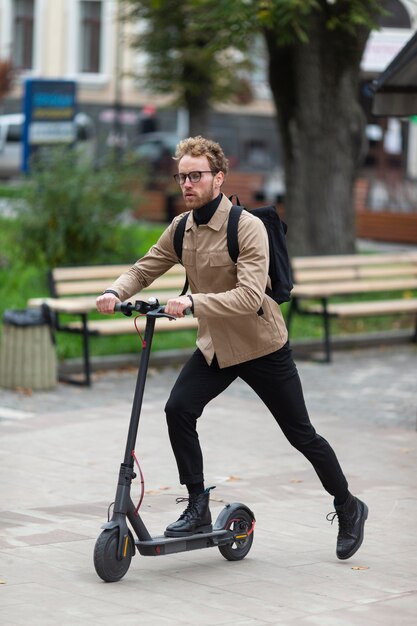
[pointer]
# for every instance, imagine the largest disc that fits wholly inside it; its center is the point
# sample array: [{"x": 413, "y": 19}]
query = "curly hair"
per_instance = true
[{"x": 199, "y": 146}]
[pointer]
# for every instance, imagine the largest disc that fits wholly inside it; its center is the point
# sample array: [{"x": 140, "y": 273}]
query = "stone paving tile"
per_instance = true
[{"x": 59, "y": 456}]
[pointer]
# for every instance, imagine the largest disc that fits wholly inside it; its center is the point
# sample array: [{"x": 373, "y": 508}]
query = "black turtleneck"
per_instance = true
[{"x": 204, "y": 214}]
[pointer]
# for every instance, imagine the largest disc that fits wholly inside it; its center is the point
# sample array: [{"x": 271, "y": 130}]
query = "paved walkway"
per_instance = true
[{"x": 59, "y": 458}]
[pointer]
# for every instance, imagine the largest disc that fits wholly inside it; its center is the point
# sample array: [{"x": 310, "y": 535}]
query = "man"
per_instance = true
[{"x": 241, "y": 333}]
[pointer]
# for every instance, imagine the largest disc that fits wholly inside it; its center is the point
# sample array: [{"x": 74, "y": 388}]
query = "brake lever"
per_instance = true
[{"x": 160, "y": 312}]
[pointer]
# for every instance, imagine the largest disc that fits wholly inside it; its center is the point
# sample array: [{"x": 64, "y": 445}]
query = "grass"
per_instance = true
[
  {"x": 10, "y": 191},
  {"x": 20, "y": 281}
]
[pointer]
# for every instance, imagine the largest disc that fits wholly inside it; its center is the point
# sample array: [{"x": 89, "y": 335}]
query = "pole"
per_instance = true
[{"x": 118, "y": 99}]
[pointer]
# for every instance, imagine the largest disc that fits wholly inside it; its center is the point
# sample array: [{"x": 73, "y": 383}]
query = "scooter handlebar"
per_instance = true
[{"x": 140, "y": 306}]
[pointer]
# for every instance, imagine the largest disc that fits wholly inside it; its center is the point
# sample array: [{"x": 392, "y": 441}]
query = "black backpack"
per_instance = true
[{"x": 279, "y": 262}]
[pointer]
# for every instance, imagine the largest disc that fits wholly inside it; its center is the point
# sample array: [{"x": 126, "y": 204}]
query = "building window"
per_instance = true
[
  {"x": 23, "y": 20},
  {"x": 90, "y": 36}
]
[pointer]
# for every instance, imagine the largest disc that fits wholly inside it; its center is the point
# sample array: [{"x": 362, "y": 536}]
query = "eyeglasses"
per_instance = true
[{"x": 193, "y": 177}]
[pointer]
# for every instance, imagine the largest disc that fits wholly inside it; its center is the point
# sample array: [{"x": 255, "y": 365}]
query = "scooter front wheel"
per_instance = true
[
  {"x": 240, "y": 522},
  {"x": 108, "y": 566}
]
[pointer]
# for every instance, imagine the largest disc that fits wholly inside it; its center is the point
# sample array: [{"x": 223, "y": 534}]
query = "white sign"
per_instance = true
[
  {"x": 383, "y": 46},
  {"x": 51, "y": 132}
]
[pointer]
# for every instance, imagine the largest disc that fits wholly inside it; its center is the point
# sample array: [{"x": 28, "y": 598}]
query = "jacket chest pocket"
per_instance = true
[{"x": 221, "y": 272}]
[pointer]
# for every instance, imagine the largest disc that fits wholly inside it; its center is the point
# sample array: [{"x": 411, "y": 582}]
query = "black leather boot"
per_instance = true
[
  {"x": 351, "y": 516},
  {"x": 195, "y": 519}
]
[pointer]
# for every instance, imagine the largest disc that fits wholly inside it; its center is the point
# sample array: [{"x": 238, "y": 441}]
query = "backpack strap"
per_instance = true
[
  {"x": 179, "y": 236},
  {"x": 232, "y": 227},
  {"x": 178, "y": 239}
]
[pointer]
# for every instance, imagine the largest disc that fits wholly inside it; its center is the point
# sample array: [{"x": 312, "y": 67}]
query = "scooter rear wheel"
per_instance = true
[
  {"x": 240, "y": 522},
  {"x": 108, "y": 566}
]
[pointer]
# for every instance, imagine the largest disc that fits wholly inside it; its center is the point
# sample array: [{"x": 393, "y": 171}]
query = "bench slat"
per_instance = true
[
  {"x": 98, "y": 286},
  {"x": 359, "y": 309},
  {"x": 352, "y": 260},
  {"x": 325, "y": 290},
  {"x": 88, "y": 273},
  {"x": 354, "y": 273},
  {"x": 110, "y": 272}
]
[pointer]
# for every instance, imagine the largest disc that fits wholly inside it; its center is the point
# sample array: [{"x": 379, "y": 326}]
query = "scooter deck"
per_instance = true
[{"x": 170, "y": 545}]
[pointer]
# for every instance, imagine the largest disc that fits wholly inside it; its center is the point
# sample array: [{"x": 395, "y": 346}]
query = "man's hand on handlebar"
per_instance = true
[
  {"x": 106, "y": 303},
  {"x": 177, "y": 306}
]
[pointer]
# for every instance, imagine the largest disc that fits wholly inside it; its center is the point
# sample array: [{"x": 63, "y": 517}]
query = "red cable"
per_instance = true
[
  {"x": 142, "y": 482},
  {"x": 138, "y": 332}
]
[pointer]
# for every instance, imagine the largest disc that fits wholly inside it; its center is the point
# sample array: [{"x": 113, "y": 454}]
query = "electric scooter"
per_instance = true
[{"x": 233, "y": 530}]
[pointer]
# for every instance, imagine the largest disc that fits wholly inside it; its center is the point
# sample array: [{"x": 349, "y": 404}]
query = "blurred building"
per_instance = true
[
  {"x": 72, "y": 39},
  {"x": 84, "y": 41}
]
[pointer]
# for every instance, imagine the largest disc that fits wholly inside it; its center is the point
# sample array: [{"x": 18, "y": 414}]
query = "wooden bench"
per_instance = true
[
  {"x": 325, "y": 285},
  {"x": 73, "y": 292}
]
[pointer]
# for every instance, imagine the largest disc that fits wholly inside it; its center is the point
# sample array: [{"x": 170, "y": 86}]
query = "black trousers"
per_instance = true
[{"x": 274, "y": 378}]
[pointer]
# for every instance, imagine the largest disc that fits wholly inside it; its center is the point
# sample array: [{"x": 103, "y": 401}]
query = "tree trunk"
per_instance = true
[
  {"x": 198, "y": 91},
  {"x": 315, "y": 89},
  {"x": 198, "y": 110}
]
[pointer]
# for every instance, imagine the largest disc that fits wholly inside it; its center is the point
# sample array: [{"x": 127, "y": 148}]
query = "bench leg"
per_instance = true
[
  {"x": 86, "y": 352},
  {"x": 290, "y": 315},
  {"x": 86, "y": 356},
  {"x": 326, "y": 328}
]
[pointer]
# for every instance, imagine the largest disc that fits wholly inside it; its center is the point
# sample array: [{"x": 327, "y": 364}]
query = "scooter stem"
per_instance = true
[{"x": 139, "y": 390}]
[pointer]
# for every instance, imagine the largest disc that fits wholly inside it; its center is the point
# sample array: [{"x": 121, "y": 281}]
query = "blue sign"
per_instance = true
[{"x": 50, "y": 108}]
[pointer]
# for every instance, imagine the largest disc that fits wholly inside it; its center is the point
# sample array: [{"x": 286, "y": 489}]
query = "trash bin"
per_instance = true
[{"x": 27, "y": 352}]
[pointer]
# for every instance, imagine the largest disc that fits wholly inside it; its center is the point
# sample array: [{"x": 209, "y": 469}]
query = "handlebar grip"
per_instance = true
[
  {"x": 124, "y": 307},
  {"x": 187, "y": 311}
]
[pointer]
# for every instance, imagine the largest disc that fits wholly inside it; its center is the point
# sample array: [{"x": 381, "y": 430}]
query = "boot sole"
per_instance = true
[
  {"x": 358, "y": 545},
  {"x": 197, "y": 531}
]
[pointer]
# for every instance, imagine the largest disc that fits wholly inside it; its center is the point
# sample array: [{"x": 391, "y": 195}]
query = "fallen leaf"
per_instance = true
[
  {"x": 2, "y": 582},
  {"x": 296, "y": 480},
  {"x": 231, "y": 478},
  {"x": 25, "y": 391},
  {"x": 359, "y": 567}
]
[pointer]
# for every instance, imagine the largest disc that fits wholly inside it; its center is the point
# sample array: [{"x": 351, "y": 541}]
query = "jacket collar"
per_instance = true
[{"x": 220, "y": 216}]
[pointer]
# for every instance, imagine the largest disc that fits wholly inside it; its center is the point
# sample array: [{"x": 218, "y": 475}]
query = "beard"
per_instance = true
[{"x": 197, "y": 198}]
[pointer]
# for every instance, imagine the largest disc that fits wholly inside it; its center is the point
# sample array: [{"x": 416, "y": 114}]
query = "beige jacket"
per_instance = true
[{"x": 237, "y": 321}]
